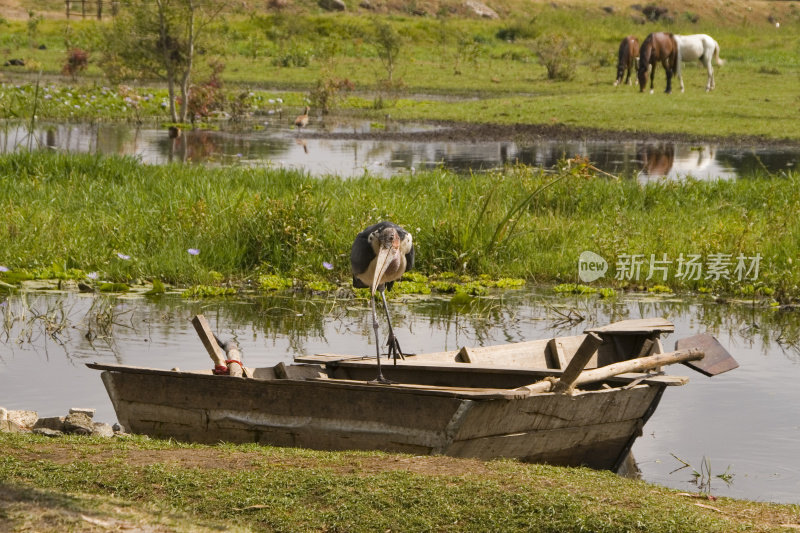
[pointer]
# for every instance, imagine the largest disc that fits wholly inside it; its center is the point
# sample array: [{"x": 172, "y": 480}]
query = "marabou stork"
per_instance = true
[{"x": 381, "y": 254}]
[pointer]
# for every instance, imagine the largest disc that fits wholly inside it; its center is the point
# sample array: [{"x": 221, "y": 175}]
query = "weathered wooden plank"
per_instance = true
[
  {"x": 214, "y": 350},
  {"x": 425, "y": 409},
  {"x": 557, "y": 353},
  {"x": 556, "y": 411},
  {"x": 636, "y": 326},
  {"x": 597, "y": 446},
  {"x": 314, "y": 431},
  {"x": 323, "y": 358},
  {"x": 481, "y": 393},
  {"x": 586, "y": 350},
  {"x": 448, "y": 374},
  {"x": 634, "y": 365}
]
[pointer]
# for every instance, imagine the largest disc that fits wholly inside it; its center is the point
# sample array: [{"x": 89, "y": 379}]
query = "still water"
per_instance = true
[
  {"x": 745, "y": 423},
  {"x": 349, "y": 148}
]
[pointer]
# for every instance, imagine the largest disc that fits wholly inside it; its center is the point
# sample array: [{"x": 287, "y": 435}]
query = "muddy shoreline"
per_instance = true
[{"x": 486, "y": 132}]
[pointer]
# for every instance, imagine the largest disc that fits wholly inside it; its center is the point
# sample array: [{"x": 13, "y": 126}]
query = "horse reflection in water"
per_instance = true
[{"x": 665, "y": 160}]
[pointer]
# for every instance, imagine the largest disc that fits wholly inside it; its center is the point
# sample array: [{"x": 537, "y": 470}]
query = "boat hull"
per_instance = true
[{"x": 594, "y": 428}]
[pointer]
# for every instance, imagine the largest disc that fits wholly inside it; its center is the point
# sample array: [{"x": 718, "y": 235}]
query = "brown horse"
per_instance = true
[
  {"x": 628, "y": 57},
  {"x": 658, "y": 46}
]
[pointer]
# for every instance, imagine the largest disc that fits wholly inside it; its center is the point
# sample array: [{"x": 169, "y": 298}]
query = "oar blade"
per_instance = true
[{"x": 717, "y": 359}]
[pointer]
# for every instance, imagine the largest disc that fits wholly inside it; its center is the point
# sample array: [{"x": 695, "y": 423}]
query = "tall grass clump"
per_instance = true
[{"x": 129, "y": 220}]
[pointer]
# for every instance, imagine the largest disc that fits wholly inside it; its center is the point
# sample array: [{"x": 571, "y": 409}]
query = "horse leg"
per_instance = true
[
  {"x": 652, "y": 76},
  {"x": 669, "y": 80},
  {"x": 710, "y": 83}
]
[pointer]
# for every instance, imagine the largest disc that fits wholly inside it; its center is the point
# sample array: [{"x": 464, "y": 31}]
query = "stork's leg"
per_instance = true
[
  {"x": 392, "y": 343},
  {"x": 380, "y": 378}
]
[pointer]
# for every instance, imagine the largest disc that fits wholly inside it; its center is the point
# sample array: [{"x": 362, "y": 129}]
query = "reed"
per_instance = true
[{"x": 193, "y": 225}]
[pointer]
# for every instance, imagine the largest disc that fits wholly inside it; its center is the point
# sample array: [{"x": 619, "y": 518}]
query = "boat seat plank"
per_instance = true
[
  {"x": 481, "y": 393},
  {"x": 282, "y": 371},
  {"x": 636, "y": 326}
]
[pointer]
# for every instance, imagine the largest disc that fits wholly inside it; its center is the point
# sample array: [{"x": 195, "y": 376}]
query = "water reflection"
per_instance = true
[{"x": 351, "y": 151}]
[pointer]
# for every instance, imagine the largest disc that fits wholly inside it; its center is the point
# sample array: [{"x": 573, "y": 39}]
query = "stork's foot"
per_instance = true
[
  {"x": 394, "y": 351},
  {"x": 382, "y": 380}
]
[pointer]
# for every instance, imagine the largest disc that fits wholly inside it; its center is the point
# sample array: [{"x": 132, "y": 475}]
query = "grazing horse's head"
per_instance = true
[
  {"x": 657, "y": 47},
  {"x": 645, "y": 53}
]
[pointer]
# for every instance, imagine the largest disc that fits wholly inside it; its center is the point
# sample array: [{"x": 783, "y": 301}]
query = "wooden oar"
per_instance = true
[
  {"x": 641, "y": 364},
  {"x": 226, "y": 355},
  {"x": 214, "y": 350},
  {"x": 717, "y": 359}
]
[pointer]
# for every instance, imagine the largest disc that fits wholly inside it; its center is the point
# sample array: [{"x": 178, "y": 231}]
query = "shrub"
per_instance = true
[
  {"x": 206, "y": 98},
  {"x": 558, "y": 55},
  {"x": 327, "y": 92}
]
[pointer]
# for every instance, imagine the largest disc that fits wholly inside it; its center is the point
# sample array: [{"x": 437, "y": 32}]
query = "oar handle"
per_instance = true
[{"x": 641, "y": 364}]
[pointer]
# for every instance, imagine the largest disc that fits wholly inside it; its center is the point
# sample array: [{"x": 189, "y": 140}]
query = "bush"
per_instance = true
[
  {"x": 327, "y": 92},
  {"x": 206, "y": 98},
  {"x": 558, "y": 55}
]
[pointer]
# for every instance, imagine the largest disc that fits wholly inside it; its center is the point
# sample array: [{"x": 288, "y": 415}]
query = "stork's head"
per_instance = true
[{"x": 390, "y": 250}]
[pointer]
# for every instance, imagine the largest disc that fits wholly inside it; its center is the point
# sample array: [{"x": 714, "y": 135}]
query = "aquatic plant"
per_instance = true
[{"x": 208, "y": 291}]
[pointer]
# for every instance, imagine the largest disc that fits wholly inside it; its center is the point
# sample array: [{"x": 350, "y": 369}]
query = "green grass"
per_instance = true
[
  {"x": 128, "y": 221},
  {"x": 755, "y": 96},
  {"x": 273, "y": 489}
]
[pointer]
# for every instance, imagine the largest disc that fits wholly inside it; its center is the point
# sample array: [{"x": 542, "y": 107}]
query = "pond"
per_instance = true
[
  {"x": 351, "y": 147},
  {"x": 744, "y": 423}
]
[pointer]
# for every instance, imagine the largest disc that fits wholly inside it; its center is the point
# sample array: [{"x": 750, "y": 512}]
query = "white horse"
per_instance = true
[{"x": 699, "y": 46}]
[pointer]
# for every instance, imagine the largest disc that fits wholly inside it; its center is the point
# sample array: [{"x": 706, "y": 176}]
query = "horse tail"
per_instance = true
[
  {"x": 677, "y": 57},
  {"x": 718, "y": 59},
  {"x": 622, "y": 61}
]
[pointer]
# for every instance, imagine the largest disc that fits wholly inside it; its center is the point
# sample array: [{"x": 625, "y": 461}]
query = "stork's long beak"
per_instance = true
[{"x": 385, "y": 257}]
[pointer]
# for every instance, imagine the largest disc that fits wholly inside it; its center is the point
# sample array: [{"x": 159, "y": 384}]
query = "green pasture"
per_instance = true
[{"x": 498, "y": 61}]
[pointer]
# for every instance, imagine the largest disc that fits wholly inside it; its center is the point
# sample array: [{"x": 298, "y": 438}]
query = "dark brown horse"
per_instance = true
[
  {"x": 628, "y": 56},
  {"x": 658, "y": 46}
]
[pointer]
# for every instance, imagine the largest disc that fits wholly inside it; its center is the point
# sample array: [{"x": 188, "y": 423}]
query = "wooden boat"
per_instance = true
[{"x": 435, "y": 406}]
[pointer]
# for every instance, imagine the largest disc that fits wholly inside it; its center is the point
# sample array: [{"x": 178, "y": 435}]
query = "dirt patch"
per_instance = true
[{"x": 213, "y": 458}]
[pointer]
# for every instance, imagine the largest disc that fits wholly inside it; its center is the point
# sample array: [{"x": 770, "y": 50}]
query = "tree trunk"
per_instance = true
[
  {"x": 165, "y": 52},
  {"x": 187, "y": 73},
  {"x": 173, "y": 113}
]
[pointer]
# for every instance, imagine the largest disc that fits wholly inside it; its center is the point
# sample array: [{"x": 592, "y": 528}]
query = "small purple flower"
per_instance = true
[
  {"x": 327, "y": 265},
  {"x": 92, "y": 275},
  {"x": 3, "y": 268},
  {"x": 123, "y": 256},
  {"x": 193, "y": 251}
]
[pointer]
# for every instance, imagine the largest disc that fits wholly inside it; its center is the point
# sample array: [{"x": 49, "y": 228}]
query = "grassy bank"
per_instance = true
[
  {"x": 501, "y": 60},
  {"x": 137, "y": 481},
  {"x": 127, "y": 221}
]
